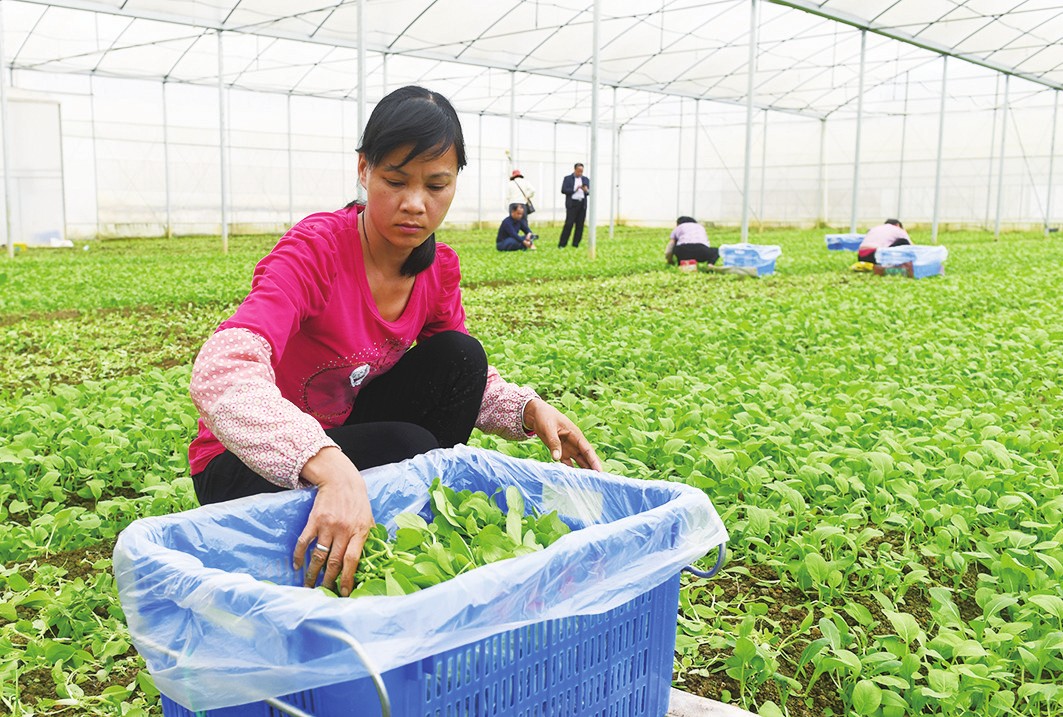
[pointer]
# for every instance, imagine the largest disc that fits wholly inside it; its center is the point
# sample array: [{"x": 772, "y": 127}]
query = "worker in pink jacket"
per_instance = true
[
  {"x": 891, "y": 233},
  {"x": 351, "y": 349}
]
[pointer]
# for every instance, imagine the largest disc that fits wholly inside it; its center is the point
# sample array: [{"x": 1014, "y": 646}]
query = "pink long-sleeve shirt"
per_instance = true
[
  {"x": 689, "y": 233},
  {"x": 291, "y": 361},
  {"x": 882, "y": 236}
]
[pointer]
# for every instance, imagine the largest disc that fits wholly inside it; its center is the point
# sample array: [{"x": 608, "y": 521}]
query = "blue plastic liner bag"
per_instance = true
[
  {"x": 213, "y": 634},
  {"x": 925, "y": 260},
  {"x": 760, "y": 256},
  {"x": 844, "y": 242}
]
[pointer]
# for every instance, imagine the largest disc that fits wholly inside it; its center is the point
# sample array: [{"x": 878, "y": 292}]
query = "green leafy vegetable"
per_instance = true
[{"x": 469, "y": 530}]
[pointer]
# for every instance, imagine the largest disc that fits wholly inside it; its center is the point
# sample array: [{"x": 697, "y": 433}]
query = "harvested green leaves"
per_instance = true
[{"x": 468, "y": 530}]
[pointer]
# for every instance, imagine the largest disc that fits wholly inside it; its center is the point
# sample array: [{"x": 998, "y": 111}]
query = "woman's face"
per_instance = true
[{"x": 405, "y": 204}]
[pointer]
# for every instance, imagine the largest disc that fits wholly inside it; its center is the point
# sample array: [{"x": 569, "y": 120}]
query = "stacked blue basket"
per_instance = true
[
  {"x": 844, "y": 242},
  {"x": 618, "y": 664},
  {"x": 584, "y": 628},
  {"x": 760, "y": 256},
  {"x": 925, "y": 260}
]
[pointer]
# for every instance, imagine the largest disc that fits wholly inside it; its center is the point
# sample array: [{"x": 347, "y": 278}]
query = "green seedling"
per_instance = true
[{"x": 468, "y": 531}]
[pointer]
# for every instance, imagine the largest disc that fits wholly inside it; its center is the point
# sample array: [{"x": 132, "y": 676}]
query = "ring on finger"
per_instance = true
[{"x": 322, "y": 548}]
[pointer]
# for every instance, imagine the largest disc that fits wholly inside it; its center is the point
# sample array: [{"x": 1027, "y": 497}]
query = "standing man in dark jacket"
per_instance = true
[{"x": 575, "y": 187}]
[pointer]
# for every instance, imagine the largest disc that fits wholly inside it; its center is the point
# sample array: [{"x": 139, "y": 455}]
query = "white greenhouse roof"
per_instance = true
[{"x": 808, "y": 51}]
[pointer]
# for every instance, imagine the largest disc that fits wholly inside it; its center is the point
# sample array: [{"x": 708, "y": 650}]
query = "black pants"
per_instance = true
[
  {"x": 429, "y": 399},
  {"x": 697, "y": 252},
  {"x": 575, "y": 215}
]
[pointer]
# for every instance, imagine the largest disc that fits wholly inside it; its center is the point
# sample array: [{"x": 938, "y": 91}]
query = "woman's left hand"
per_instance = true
[{"x": 561, "y": 436}]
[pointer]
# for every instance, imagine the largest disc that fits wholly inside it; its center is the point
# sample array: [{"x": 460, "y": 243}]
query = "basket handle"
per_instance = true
[
  {"x": 720, "y": 554},
  {"x": 378, "y": 681}
]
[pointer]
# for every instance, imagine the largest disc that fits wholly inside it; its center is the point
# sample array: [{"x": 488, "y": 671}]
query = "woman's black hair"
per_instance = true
[
  {"x": 685, "y": 220},
  {"x": 427, "y": 122}
]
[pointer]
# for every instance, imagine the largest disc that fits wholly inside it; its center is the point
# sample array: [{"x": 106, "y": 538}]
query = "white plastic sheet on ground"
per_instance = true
[{"x": 214, "y": 635}]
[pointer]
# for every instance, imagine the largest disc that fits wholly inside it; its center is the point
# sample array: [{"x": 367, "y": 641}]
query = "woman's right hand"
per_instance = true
[{"x": 340, "y": 520}]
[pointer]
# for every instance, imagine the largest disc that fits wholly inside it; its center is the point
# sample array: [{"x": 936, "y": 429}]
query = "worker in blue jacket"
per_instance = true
[{"x": 514, "y": 233}]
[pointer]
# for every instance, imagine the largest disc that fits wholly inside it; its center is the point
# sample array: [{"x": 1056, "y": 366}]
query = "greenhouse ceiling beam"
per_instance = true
[
  {"x": 812, "y": 8},
  {"x": 874, "y": 86},
  {"x": 251, "y": 64},
  {"x": 114, "y": 44},
  {"x": 177, "y": 19},
  {"x": 30, "y": 34},
  {"x": 483, "y": 33},
  {"x": 313, "y": 66},
  {"x": 655, "y": 55},
  {"x": 208, "y": 82}
]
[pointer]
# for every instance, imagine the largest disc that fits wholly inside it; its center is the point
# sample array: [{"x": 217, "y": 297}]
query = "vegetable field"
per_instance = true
[{"x": 885, "y": 453}]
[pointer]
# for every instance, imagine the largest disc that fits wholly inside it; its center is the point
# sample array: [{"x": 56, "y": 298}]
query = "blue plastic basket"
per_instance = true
[
  {"x": 583, "y": 627},
  {"x": 760, "y": 256},
  {"x": 924, "y": 260},
  {"x": 616, "y": 664},
  {"x": 844, "y": 242}
]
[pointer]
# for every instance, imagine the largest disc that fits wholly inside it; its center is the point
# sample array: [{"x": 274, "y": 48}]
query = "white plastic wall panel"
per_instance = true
[{"x": 805, "y": 64}]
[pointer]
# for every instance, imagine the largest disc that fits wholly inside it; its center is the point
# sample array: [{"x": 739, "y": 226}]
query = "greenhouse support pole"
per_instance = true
[
  {"x": 384, "y": 76},
  {"x": 1051, "y": 164},
  {"x": 92, "y": 124},
  {"x": 616, "y": 169},
  {"x": 479, "y": 170},
  {"x": 679, "y": 164},
  {"x": 612, "y": 167},
  {"x": 343, "y": 152},
  {"x": 291, "y": 188},
  {"x": 694, "y": 182},
  {"x": 512, "y": 147},
  {"x": 763, "y": 171},
  {"x": 5, "y": 118},
  {"x": 900, "y": 168},
  {"x": 1000, "y": 168},
  {"x": 362, "y": 74},
  {"x": 95, "y": 156},
  {"x": 992, "y": 155},
  {"x": 166, "y": 163},
  {"x": 823, "y": 171},
  {"x": 593, "y": 208},
  {"x": 749, "y": 118},
  {"x": 859, "y": 127},
  {"x": 941, "y": 149},
  {"x": 223, "y": 148},
  {"x": 555, "y": 167}
]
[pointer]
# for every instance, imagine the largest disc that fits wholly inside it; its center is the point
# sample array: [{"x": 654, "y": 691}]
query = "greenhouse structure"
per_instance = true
[
  {"x": 779, "y": 433},
  {"x": 137, "y": 117}
]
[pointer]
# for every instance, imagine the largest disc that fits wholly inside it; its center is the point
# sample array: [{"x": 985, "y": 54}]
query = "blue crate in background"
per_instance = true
[
  {"x": 844, "y": 242},
  {"x": 617, "y": 664},
  {"x": 760, "y": 256},
  {"x": 923, "y": 260}
]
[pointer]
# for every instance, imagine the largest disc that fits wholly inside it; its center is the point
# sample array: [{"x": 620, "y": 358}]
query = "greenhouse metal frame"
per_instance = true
[{"x": 204, "y": 117}]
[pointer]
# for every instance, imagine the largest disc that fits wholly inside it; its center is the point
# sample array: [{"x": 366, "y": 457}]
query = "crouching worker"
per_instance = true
[
  {"x": 351, "y": 349},
  {"x": 688, "y": 241},
  {"x": 884, "y": 235},
  {"x": 514, "y": 233}
]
